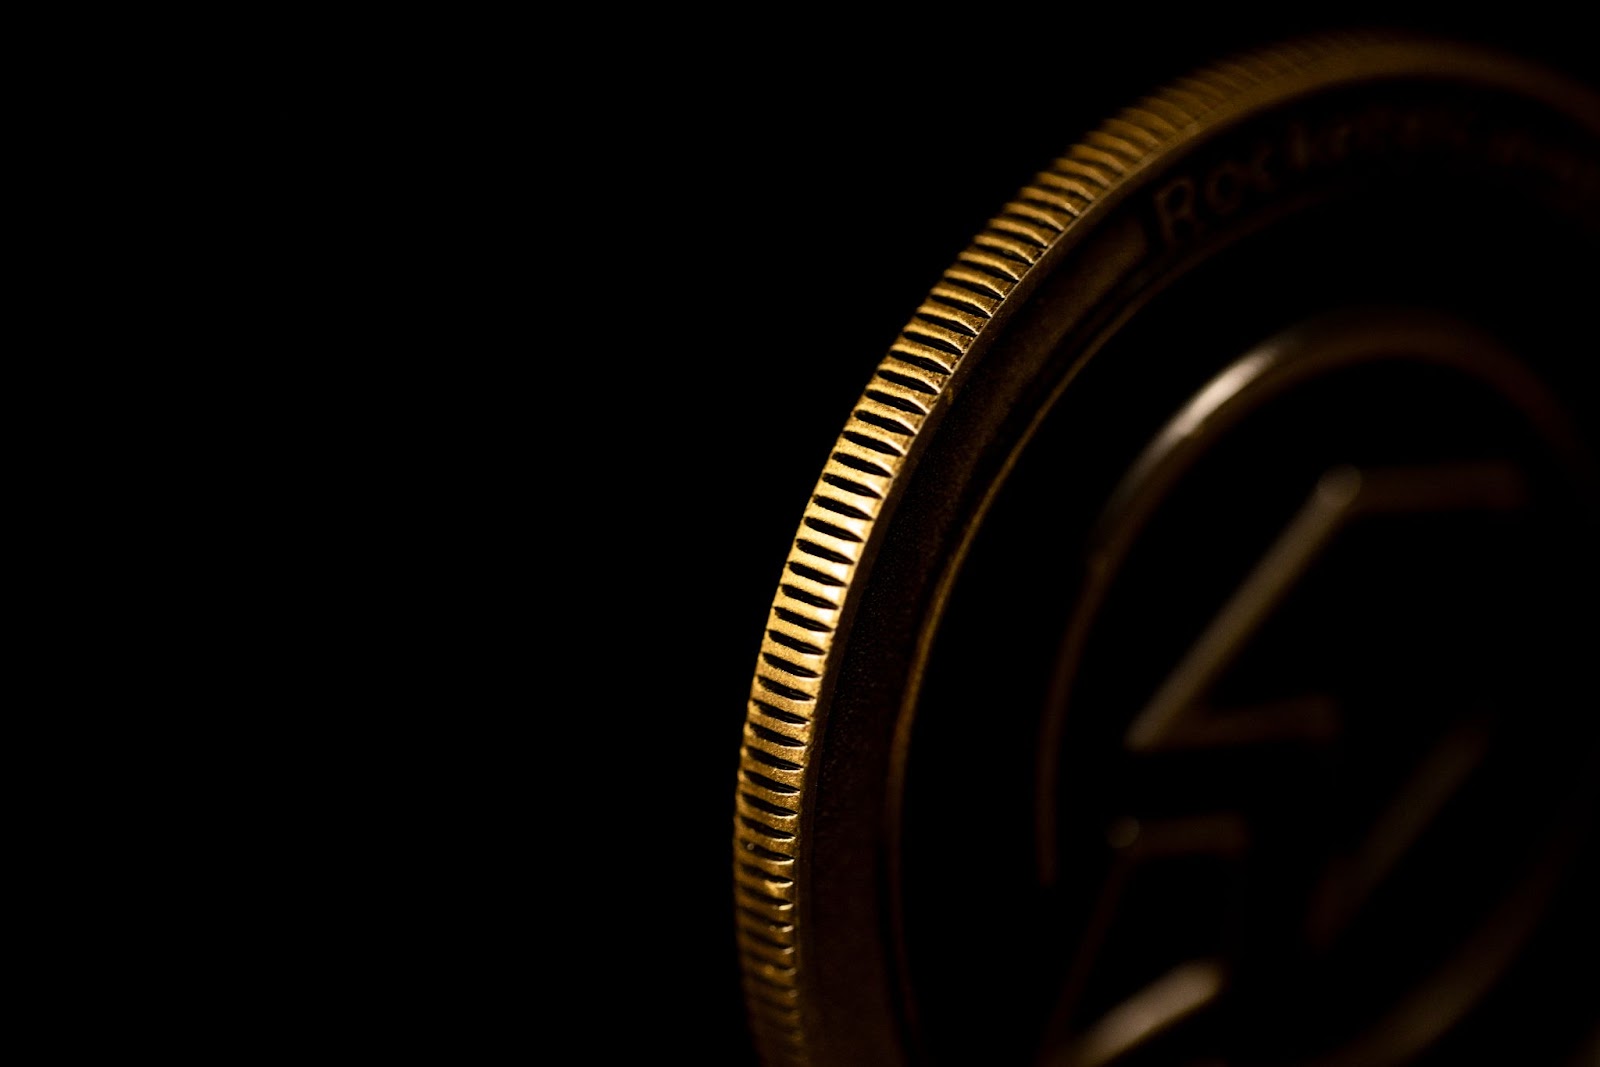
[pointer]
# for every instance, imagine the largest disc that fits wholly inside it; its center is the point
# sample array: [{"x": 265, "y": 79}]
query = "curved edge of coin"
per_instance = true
[{"x": 827, "y": 563}]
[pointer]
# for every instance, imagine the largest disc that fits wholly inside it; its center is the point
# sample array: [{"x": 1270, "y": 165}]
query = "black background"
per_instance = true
[{"x": 547, "y": 350}]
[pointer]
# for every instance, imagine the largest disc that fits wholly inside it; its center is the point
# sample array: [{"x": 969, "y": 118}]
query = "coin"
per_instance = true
[{"x": 1180, "y": 656}]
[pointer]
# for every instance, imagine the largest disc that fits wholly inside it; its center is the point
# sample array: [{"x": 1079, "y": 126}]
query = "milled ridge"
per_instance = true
[{"x": 872, "y": 452}]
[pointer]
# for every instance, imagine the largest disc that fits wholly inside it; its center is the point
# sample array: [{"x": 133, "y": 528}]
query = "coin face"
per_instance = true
[{"x": 1183, "y": 654}]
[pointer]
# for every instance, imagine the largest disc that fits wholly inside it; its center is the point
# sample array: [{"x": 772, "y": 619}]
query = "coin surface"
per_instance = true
[{"x": 1182, "y": 656}]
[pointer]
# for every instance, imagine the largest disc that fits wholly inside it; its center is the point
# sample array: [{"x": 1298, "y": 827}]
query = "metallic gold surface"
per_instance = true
[{"x": 1131, "y": 156}]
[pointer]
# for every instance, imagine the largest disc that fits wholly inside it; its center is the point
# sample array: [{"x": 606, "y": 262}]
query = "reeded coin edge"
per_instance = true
[{"x": 824, "y": 572}]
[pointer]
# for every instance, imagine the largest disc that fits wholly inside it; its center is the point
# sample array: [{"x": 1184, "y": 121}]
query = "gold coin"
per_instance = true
[{"x": 1178, "y": 656}]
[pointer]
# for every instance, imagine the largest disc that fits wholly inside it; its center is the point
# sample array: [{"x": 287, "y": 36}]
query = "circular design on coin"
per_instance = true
[{"x": 1180, "y": 656}]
